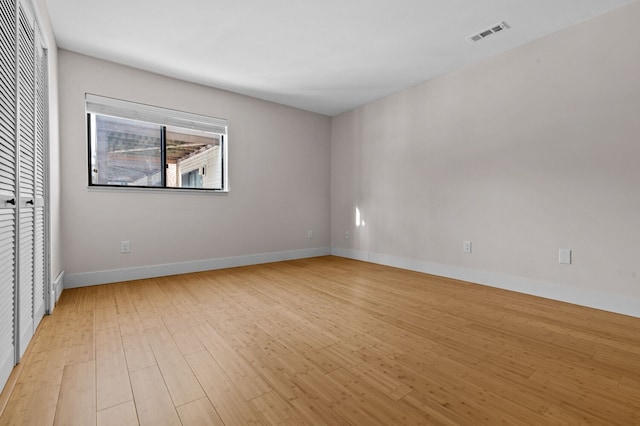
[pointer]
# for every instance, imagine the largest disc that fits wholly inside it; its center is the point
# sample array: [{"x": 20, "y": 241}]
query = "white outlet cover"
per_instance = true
[{"x": 564, "y": 256}]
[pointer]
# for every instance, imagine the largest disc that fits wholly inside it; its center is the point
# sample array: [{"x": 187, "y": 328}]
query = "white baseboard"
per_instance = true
[
  {"x": 58, "y": 286},
  {"x": 591, "y": 298},
  {"x": 594, "y": 299},
  {"x": 153, "y": 271}
]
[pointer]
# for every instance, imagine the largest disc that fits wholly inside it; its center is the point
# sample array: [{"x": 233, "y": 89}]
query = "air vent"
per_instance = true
[{"x": 489, "y": 31}]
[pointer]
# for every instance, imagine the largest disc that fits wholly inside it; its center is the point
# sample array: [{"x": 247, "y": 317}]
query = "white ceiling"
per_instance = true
[{"x": 326, "y": 56}]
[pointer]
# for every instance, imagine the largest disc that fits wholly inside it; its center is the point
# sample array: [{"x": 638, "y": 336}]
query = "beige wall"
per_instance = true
[
  {"x": 531, "y": 151},
  {"x": 525, "y": 153},
  {"x": 279, "y": 162}
]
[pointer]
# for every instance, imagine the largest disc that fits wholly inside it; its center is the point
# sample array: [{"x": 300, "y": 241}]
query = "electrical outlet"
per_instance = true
[
  {"x": 309, "y": 234},
  {"x": 466, "y": 246},
  {"x": 125, "y": 246},
  {"x": 346, "y": 235}
]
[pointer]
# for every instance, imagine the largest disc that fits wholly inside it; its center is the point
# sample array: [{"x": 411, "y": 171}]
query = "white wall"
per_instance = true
[
  {"x": 531, "y": 151},
  {"x": 279, "y": 162}
]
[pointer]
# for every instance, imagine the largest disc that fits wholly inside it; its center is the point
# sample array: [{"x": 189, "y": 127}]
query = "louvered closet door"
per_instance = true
[
  {"x": 7, "y": 187},
  {"x": 26, "y": 138},
  {"x": 39, "y": 258}
]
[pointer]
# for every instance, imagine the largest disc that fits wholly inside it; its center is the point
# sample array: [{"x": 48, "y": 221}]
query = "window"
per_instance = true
[{"x": 136, "y": 145}]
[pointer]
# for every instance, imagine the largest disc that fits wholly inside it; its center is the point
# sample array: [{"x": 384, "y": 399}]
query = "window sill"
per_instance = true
[{"x": 105, "y": 188}]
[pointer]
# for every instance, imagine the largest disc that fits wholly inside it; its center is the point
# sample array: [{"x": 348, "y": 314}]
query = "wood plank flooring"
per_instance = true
[{"x": 324, "y": 341}]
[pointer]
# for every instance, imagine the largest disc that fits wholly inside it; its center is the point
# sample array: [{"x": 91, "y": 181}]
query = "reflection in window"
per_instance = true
[
  {"x": 125, "y": 152},
  {"x": 194, "y": 159}
]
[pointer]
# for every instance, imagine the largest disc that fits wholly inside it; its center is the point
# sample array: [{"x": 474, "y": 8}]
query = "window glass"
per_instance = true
[
  {"x": 194, "y": 159},
  {"x": 125, "y": 152}
]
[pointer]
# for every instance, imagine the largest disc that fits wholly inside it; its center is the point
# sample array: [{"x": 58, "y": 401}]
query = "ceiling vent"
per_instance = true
[{"x": 501, "y": 26}]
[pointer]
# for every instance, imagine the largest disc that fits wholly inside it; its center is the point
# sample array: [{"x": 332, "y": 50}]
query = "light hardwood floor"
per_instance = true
[{"x": 324, "y": 341}]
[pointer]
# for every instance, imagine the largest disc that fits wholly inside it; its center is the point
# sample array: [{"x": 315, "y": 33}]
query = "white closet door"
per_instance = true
[
  {"x": 39, "y": 258},
  {"x": 23, "y": 142},
  {"x": 26, "y": 137},
  {"x": 7, "y": 291},
  {"x": 7, "y": 188}
]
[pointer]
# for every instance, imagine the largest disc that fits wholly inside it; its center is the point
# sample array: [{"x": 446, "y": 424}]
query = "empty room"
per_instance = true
[{"x": 319, "y": 213}]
